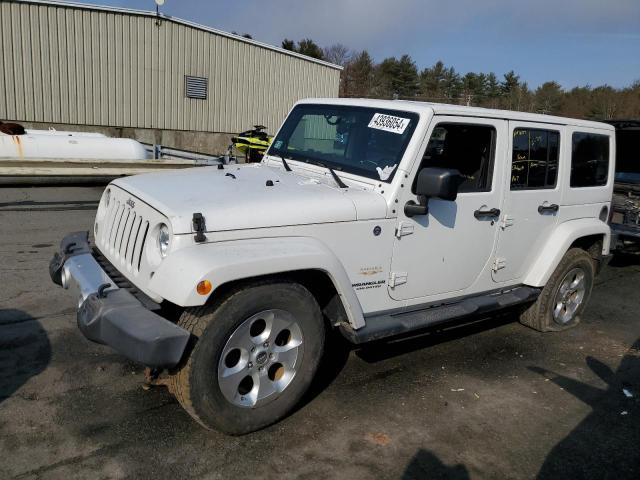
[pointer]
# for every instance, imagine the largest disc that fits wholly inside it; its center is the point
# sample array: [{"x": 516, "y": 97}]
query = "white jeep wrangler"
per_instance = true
[{"x": 377, "y": 218}]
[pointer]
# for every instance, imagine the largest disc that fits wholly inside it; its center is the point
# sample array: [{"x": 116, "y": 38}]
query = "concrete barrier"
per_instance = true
[{"x": 17, "y": 171}]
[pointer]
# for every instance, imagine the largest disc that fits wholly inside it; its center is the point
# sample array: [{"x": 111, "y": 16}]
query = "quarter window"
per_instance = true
[
  {"x": 589, "y": 160},
  {"x": 467, "y": 148},
  {"x": 535, "y": 159}
]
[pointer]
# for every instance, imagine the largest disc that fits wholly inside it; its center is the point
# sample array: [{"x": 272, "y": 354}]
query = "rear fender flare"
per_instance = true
[{"x": 559, "y": 242}]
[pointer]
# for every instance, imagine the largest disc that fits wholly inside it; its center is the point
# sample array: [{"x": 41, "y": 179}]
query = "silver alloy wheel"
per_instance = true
[
  {"x": 260, "y": 359},
  {"x": 570, "y": 296}
]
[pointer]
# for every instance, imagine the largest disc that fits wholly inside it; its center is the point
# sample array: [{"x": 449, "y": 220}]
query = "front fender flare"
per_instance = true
[
  {"x": 559, "y": 242},
  {"x": 222, "y": 262}
]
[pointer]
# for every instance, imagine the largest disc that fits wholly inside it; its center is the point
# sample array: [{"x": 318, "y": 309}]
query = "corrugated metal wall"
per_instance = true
[{"x": 69, "y": 65}]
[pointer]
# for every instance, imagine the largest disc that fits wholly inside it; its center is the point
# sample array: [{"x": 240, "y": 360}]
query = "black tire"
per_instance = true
[
  {"x": 196, "y": 385},
  {"x": 539, "y": 315}
]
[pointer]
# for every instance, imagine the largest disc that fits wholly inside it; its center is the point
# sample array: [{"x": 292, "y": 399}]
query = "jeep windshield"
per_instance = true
[{"x": 364, "y": 141}]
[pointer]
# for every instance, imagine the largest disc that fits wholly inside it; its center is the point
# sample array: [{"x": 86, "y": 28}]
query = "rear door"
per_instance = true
[{"x": 532, "y": 197}]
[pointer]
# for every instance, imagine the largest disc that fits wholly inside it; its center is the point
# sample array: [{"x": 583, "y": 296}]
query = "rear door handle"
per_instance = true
[
  {"x": 542, "y": 209},
  {"x": 494, "y": 212}
]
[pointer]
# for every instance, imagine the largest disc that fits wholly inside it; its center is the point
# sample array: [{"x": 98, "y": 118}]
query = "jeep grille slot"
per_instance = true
[
  {"x": 118, "y": 223},
  {"x": 122, "y": 239},
  {"x": 112, "y": 222},
  {"x": 144, "y": 237},
  {"x": 133, "y": 233},
  {"x": 125, "y": 217}
]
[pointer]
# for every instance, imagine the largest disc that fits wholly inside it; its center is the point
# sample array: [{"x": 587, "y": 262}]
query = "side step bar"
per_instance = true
[{"x": 389, "y": 325}]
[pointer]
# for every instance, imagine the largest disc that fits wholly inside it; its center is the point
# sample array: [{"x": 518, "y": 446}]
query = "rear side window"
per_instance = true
[
  {"x": 534, "y": 162},
  {"x": 467, "y": 148},
  {"x": 589, "y": 160}
]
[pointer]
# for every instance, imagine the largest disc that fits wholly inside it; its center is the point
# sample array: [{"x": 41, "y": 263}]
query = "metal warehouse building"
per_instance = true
[{"x": 155, "y": 78}]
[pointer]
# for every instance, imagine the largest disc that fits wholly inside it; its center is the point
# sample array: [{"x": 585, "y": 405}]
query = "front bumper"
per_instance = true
[{"x": 111, "y": 315}]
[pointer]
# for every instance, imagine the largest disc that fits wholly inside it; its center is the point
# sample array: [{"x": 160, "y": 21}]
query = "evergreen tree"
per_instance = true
[
  {"x": 493, "y": 92},
  {"x": 510, "y": 83},
  {"x": 548, "y": 98},
  {"x": 310, "y": 48},
  {"x": 451, "y": 85},
  {"x": 289, "y": 45},
  {"x": 397, "y": 78},
  {"x": 432, "y": 81},
  {"x": 358, "y": 76},
  {"x": 306, "y": 47}
]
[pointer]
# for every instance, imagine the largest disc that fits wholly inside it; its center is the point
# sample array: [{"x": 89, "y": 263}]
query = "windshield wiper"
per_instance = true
[
  {"x": 284, "y": 162},
  {"x": 335, "y": 176}
]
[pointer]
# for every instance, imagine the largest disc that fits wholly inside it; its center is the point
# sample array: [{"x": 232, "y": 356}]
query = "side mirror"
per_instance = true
[
  {"x": 438, "y": 183},
  {"x": 434, "y": 182}
]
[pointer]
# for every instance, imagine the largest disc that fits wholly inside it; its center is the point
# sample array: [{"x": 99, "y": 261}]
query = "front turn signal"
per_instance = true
[{"x": 204, "y": 287}]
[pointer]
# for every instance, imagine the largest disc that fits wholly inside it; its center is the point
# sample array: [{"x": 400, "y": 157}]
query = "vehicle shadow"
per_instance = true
[
  {"x": 426, "y": 465},
  {"x": 334, "y": 359},
  {"x": 338, "y": 349},
  {"x": 604, "y": 444},
  {"x": 25, "y": 350},
  {"x": 624, "y": 259}
]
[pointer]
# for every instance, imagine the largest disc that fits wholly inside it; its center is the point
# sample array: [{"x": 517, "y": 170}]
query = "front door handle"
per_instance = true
[
  {"x": 479, "y": 214},
  {"x": 553, "y": 208}
]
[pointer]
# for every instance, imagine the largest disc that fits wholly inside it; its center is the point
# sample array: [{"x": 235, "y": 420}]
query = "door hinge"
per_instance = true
[
  {"x": 499, "y": 264},
  {"x": 397, "y": 278},
  {"x": 506, "y": 221},
  {"x": 404, "y": 228}
]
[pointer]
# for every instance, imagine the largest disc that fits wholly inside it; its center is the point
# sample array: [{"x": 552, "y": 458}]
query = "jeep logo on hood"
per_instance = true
[{"x": 131, "y": 203}]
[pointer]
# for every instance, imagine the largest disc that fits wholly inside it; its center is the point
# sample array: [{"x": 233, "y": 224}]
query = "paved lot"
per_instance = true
[{"x": 490, "y": 400}]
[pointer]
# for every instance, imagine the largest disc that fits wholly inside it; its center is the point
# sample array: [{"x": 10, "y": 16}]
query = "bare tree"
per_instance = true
[{"x": 338, "y": 54}]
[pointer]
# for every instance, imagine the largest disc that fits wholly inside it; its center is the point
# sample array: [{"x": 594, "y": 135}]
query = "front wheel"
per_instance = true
[
  {"x": 256, "y": 354},
  {"x": 564, "y": 296}
]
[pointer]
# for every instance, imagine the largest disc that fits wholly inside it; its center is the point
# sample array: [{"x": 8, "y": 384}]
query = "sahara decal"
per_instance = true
[{"x": 370, "y": 270}]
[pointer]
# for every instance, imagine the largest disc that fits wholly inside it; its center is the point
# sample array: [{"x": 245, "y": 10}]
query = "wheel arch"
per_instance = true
[
  {"x": 590, "y": 234},
  {"x": 318, "y": 282},
  {"x": 229, "y": 265}
]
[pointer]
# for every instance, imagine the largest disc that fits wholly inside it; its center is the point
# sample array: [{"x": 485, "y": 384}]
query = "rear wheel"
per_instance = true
[
  {"x": 256, "y": 354},
  {"x": 564, "y": 296}
]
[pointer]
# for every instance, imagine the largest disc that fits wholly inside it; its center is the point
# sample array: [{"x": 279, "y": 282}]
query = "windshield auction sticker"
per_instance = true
[{"x": 389, "y": 123}]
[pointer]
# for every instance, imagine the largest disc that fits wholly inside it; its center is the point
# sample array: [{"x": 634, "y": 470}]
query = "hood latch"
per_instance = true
[{"x": 199, "y": 227}]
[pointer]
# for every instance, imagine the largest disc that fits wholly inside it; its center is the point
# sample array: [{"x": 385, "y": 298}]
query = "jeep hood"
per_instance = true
[{"x": 238, "y": 197}]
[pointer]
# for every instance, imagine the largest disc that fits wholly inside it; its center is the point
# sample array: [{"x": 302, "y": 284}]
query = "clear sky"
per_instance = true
[{"x": 575, "y": 42}]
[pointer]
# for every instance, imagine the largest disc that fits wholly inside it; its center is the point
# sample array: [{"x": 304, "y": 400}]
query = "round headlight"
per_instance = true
[
  {"x": 107, "y": 197},
  {"x": 163, "y": 240}
]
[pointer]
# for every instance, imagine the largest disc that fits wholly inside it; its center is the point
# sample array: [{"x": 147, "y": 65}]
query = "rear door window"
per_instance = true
[
  {"x": 534, "y": 159},
  {"x": 589, "y": 160}
]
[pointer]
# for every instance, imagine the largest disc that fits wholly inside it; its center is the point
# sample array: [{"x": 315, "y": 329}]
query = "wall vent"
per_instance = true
[{"x": 195, "y": 87}]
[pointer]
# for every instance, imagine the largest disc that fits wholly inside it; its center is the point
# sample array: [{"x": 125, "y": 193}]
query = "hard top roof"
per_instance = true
[{"x": 447, "y": 109}]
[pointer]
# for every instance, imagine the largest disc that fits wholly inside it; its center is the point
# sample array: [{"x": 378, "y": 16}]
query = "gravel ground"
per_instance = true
[{"x": 489, "y": 400}]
